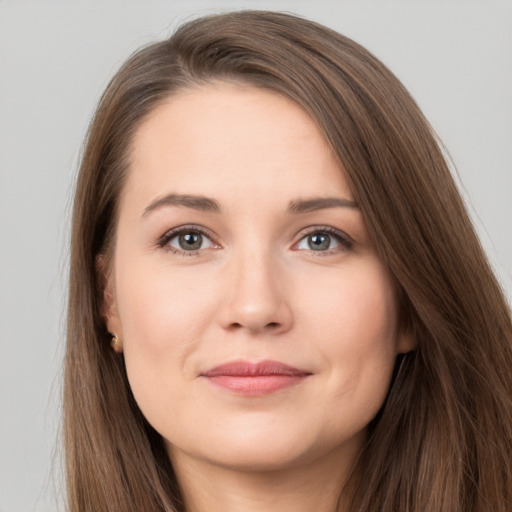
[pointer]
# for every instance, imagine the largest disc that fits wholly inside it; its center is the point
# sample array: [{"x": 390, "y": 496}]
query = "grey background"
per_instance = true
[{"x": 56, "y": 58}]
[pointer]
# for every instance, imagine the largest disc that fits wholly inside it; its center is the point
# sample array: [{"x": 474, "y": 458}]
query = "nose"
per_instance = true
[{"x": 256, "y": 300}]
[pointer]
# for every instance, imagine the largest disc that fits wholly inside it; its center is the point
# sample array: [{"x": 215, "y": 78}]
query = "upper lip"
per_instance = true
[{"x": 247, "y": 369}]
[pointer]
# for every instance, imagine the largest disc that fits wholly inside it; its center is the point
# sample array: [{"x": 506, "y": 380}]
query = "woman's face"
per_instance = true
[{"x": 259, "y": 326}]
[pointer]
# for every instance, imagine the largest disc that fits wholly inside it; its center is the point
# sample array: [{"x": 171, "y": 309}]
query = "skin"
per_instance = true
[{"x": 255, "y": 290}]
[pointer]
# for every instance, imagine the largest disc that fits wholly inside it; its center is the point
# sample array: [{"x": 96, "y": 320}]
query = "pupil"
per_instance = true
[
  {"x": 191, "y": 241},
  {"x": 319, "y": 242}
]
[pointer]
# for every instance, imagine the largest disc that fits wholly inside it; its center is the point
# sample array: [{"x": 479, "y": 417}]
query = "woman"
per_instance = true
[{"x": 277, "y": 300}]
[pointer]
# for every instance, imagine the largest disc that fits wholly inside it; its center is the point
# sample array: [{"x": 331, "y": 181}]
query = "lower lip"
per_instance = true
[{"x": 255, "y": 385}]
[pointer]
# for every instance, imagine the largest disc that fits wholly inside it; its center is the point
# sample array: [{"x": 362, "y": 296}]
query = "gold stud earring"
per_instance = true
[{"x": 117, "y": 344}]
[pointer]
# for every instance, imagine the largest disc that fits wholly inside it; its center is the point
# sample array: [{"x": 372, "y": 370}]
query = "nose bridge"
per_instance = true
[
  {"x": 256, "y": 275},
  {"x": 256, "y": 298}
]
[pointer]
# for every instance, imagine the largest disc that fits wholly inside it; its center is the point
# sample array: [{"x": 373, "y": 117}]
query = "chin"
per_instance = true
[
  {"x": 260, "y": 451},
  {"x": 263, "y": 457}
]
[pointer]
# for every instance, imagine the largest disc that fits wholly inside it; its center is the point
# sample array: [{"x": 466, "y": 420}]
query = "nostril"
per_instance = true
[{"x": 271, "y": 326}]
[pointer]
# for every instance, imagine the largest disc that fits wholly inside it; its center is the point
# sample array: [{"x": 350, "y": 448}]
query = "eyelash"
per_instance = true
[
  {"x": 344, "y": 240},
  {"x": 167, "y": 237}
]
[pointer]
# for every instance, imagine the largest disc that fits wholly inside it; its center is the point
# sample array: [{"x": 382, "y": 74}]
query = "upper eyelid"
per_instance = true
[
  {"x": 171, "y": 233},
  {"x": 326, "y": 229}
]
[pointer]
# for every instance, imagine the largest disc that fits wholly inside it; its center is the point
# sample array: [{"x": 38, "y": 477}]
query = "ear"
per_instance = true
[
  {"x": 109, "y": 311},
  {"x": 406, "y": 341}
]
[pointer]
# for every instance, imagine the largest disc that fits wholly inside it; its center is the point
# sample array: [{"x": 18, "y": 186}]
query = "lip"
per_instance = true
[{"x": 254, "y": 379}]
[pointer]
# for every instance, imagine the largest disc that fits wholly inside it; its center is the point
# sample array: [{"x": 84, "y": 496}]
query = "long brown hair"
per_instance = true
[{"x": 443, "y": 440}]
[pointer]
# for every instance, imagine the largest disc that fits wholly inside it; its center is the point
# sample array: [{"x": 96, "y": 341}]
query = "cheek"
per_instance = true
[
  {"x": 354, "y": 320},
  {"x": 163, "y": 319},
  {"x": 161, "y": 309},
  {"x": 357, "y": 307}
]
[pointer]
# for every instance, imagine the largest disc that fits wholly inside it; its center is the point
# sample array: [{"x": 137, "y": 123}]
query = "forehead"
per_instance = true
[{"x": 230, "y": 141}]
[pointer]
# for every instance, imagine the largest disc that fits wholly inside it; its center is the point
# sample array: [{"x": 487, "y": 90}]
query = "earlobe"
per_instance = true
[
  {"x": 116, "y": 344},
  {"x": 406, "y": 340}
]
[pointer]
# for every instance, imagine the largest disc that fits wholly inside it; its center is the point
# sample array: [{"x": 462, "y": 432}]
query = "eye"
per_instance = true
[
  {"x": 186, "y": 240},
  {"x": 318, "y": 241},
  {"x": 324, "y": 240}
]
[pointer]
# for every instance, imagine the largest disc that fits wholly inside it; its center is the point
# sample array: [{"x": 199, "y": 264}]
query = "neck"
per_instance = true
[{"x": 315, "y": 485}]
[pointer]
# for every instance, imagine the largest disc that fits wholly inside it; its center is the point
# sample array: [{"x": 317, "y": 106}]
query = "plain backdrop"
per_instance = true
[{"x": 56, "y": 58}]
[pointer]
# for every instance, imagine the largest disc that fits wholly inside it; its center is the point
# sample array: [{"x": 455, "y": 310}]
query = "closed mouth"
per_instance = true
[{"x": 254, "y": 379}]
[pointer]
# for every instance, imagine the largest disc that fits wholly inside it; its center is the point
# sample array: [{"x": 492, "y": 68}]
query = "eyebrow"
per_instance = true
[
  {"x": 206, "y": 204},
  {"x": 319, "y": 203},
  {"x": 201, "y": 203}
]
